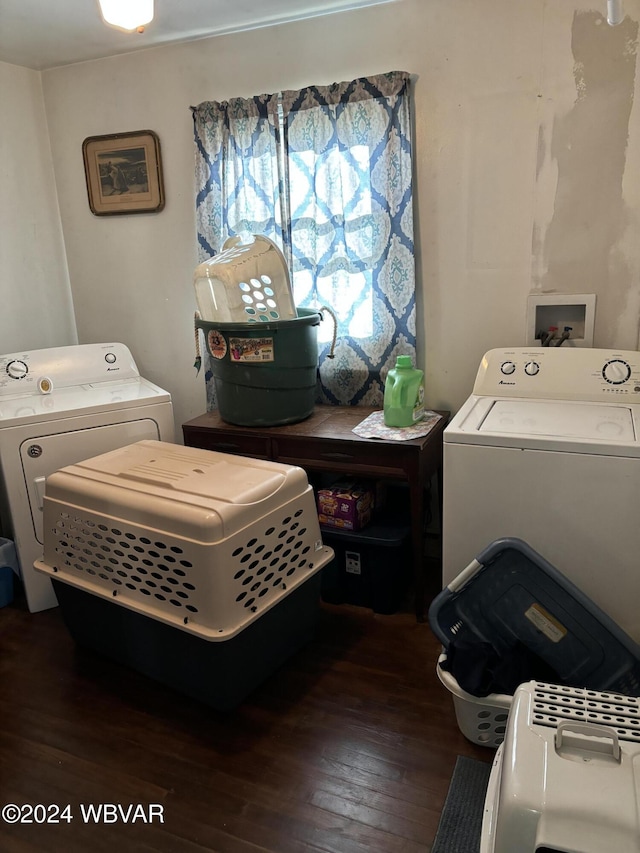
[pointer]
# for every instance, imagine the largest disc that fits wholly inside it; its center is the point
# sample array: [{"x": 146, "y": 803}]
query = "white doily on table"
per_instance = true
[{"x": 373, "y": 426}]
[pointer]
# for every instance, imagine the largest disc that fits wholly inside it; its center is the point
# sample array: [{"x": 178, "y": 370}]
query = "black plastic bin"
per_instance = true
[{"x": 371, "y": 567}]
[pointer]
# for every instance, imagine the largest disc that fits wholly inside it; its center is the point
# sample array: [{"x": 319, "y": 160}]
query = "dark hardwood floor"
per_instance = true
[{"x": 348, "y": 748}]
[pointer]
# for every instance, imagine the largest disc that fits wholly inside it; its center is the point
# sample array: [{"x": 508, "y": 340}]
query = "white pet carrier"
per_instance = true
[
  {"x": 567, "y": 776},
  {"x": 195, "y": 543}
]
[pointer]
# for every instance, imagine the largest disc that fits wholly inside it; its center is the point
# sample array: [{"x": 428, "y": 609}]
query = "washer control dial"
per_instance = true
[
  {"x": 616, "y": 371},
  {"x": 17, "y": 369},
  {"x": 110, "y": 358},
  {"x": 531, "y": 368},
  {"x": 507, "y": 367}
]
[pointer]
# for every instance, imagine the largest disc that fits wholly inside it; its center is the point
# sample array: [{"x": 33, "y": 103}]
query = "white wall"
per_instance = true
[
  {"x": 36, "y": 309},
  {"x": 527, "y": 153}
]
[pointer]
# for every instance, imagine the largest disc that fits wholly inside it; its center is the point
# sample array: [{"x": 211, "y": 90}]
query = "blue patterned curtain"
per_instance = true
[
  {"x": 236, "y": 172},
  {"x": 326, "y": 173}
]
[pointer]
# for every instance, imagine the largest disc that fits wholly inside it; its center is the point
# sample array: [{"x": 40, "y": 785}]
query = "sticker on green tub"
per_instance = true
[
  {"x": 252, "y": 350},
  {"x": 217, "y": 344}
]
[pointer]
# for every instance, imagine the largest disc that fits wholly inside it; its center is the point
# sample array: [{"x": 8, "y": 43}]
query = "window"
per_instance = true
[{"x": 326, "y": 173}]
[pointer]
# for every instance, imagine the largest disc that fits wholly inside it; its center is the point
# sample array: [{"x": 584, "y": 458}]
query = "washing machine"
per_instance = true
[
  {"x": 59, "y": 406},
  {"x": 547, "y": 449}
]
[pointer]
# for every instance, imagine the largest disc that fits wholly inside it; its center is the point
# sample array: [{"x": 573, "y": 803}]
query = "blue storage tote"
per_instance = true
[
  {"x": 8, "y": 567},
  {"x": 510, "y": 594}
]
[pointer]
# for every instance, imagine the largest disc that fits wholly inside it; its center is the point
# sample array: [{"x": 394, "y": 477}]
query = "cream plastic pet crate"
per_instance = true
[
  {"x": 567, "y": 776},
  {"x": 196, "y": 567}
]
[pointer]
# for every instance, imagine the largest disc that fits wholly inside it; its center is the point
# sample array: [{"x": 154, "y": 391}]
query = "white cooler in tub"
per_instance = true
[{"x": 200, "y": 569}]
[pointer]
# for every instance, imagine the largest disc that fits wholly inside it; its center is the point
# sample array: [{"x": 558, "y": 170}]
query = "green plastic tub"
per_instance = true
[{"x": 265, "y": 374}]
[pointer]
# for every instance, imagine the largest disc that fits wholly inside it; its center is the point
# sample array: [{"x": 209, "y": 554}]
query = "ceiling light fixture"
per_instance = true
[
  {"x": 615, "y": 12},
  {"x": 127, "y": 15}
]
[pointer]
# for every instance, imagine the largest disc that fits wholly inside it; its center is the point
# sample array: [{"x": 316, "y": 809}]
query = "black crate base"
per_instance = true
[{"x": 220, "y": 674}]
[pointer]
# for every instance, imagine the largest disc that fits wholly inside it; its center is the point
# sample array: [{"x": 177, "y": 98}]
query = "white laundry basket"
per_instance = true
[
  {"x": 567, "y": 775},
  {"x": 208, "y": 559},
  {"x": 482, "y": 720},
  {"x": 248, "y": 282}
]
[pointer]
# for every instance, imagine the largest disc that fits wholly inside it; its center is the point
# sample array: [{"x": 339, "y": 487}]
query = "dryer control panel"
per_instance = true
[
  {"x": 583, "y": 374},
  {"x": 41, "y": 371}
]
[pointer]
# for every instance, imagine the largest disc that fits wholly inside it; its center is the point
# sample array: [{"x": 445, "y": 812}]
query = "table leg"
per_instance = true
[{"x": 416, "y": 494}]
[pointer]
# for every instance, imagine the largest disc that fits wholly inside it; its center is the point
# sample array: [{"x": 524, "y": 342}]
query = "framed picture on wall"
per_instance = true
[{"x": 124, "y": 173}]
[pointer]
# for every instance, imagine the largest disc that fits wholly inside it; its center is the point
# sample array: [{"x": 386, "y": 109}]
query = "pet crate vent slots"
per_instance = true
[{"x": 203, "y": 541}]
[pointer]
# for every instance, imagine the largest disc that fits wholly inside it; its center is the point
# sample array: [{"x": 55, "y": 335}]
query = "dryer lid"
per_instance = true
[
  {"x": 560, "y": 419},
  {"x": 82, "y": 400}
]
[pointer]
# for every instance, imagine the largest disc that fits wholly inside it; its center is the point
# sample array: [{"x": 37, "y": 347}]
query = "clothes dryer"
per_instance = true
[
  {"x": 59, "y": 406},
  {"x": 547, "y": 449}
]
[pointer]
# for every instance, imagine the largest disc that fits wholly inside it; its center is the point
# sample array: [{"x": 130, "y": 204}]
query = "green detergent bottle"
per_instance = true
[{"x": 403, "y": 394}]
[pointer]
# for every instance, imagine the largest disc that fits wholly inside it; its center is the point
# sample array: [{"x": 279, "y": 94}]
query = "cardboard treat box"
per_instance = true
[{"x": 346, "y": 504}]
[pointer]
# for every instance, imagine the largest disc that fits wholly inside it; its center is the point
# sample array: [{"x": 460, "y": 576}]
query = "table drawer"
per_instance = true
[
  {"x": 361, "y": 457},
  {"x": 229, "y": 442}
]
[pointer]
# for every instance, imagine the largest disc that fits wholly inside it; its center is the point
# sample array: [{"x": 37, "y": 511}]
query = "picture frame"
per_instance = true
[{"x": 124, "y": 173}]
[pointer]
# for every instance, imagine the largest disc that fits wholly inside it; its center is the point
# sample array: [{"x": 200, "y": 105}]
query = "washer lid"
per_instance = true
[
  {"x": 551, "y": 425},
  {"x": 559, "y": 419}
]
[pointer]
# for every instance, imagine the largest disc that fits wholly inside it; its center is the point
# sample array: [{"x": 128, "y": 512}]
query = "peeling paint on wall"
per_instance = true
[{"x": 589, "y": 146}]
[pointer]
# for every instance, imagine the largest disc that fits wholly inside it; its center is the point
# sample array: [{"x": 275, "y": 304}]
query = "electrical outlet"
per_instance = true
[{"x": 575, "y": 311}]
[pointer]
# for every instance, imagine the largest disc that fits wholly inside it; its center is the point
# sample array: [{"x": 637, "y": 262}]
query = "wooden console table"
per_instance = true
[{"x": 325, "y": 442}]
